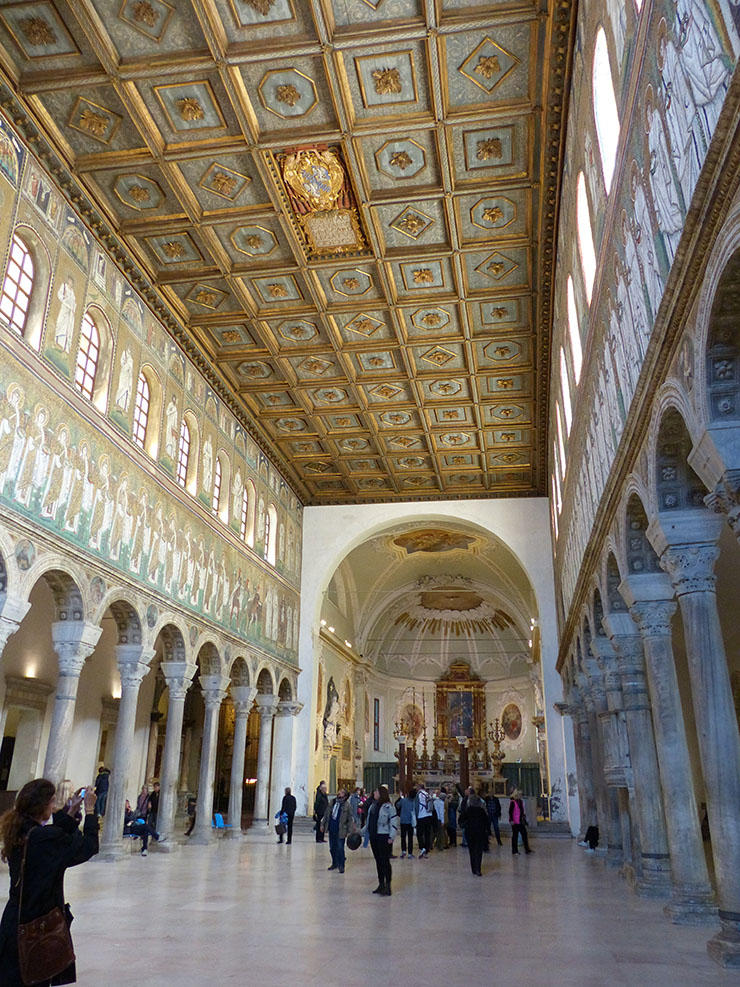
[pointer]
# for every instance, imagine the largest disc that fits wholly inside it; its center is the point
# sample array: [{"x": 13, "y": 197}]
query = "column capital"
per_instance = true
[
  {"x": 74, "y": 641},
  {"x": 288, "y": 707},
  {"x": 213, "y": 688},
  {"x": 646, "y": 586},
  {"x": 14, "y": 610},
  {"x": 179, "y": 677},
  {"x": 654, "y": 617},
  {"x": 132, "y": 674},
  {"x": 133, "y": 663},
  {"x": 267, "y": 705},
  {"x": 691, "y": 567},
  {"x": 725, "y": 499},
  {"x": 243, "y": 698}
]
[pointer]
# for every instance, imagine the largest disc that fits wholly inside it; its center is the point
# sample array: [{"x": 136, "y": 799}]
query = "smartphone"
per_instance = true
[{"x": 82, "y": 792}]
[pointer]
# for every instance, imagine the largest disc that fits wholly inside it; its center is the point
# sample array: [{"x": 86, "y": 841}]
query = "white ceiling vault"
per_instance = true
[
  {"x": 350, "y": 206},
  {"x": 423, "y": 596}
]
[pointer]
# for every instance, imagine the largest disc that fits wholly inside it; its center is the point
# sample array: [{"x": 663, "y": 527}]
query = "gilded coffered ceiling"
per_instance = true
[{"x": 349, "y": 204}]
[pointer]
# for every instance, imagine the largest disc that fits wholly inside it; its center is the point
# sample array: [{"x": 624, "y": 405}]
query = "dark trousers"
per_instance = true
[
  {"x": 289, "y": 827},
  {"x": 452, "y": 833},
  {"x": 475, "y": 849},
  {"x": 516, "y": 829},
  {"x": 319, "y": 835},
  {"x": 382, "y": 852},
  {"x": 407, "y": 838},
  {"x": 144, "y": 830},
  {"x": 424, "y": 833},
  {"x": 494, "y": 823},
  {"x": 189, "y": 830},
  {"x": 336, "y": 849},
  {"x": 592, "y": 837}
]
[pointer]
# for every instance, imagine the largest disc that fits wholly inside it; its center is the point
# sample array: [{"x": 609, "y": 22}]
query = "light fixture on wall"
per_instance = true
[
  {"x": 250, "y": 781},
  {"x": 31, "y": 670},
  {"x": 116, "y": 690},
  {"x": 331, "y": 630},
  {"x": 348, "y": 644},
  {"x": 323, "y": 622}
]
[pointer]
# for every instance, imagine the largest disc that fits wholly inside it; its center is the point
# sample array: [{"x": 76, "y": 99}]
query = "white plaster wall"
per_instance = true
[{"x": 331, "y": 532}]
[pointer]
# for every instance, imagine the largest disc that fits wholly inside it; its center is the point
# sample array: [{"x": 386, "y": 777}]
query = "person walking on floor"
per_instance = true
[
  {"x": 407, "y": 819},
  {"x": 151, "y": 817},
  {"x": 424, "y": 820},
  {"x": 50, "y": 844},
  {"x": 518, "y": 820},
  {"x": 441, "y": 839},
  {"x": 474, "y": 820},
  {"x": 320, "y": 805},
  {"x": 382, "y": 825},
  {"x": 453, "y": 804},
  {"x": 338, "y": 823},
  {"x": 493, "y": 805},
  {"x": 287, "y": 809},
  {"x": 102, "y": 783}
]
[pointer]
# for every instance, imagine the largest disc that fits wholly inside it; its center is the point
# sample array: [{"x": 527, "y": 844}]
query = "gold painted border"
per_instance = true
[
  {"x": 118, "y": 120},
  {"x": 489, "y": 40},
  {"x": 184, "y": 85},
  {"x": 277, "y": 301},
  {"x": 250, "y": 27},
  {"x": 256, "y": 227},
  {"x": 397, "y": 178},
  {"x": 188, "y": 297},
  {"x": 170, "y": 263},
  {"x": 402, "y": 265},
  {"x": 482, "y": 130},
  {"x": 411, "y": 208},
  {"x": 427, "y": 308},
  {"x": 493, "y": 230},
  {"x": 277, "y": 113},
  {"x": 131, "y": 23},
  {"x": 364, "y": 315},
  {"x": 216, "y": 166},
  {"x": 144, "y": 178},
  {"x": 352, "y": 294},
  {"x": 398, "y": 102}
]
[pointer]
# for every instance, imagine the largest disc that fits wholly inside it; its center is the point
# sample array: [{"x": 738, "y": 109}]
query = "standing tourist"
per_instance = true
[
  {"x": 287, "y": 809},
  {"x": 151, "y": 818},
  {"x": 338, "y": 822},
  {"x": 493, "y": 805},
  {"x": 49, "y": 846},
  {"x": 382, "y": 825},
  {"x": 320, "y": 805},
  {"x": 518, "y": 820},
  {"x": 407, "y": 817},
  {"x": 424, "y": 820},
  {"x": 102, "y": 783},
  {"x": 474, "y": 820},
  {"x": 453, "y": 803}
]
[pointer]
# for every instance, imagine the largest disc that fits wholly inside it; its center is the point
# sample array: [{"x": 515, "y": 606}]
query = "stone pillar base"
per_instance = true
[
  {"x": 235, "y": 833},
  {"x": 201, "y": 839},
  {"x": 628, "y": 873},
  {"x": 614, "y": 857},
  {"x": 112, "y": 854},
  {"x": 261, "y": 824},
  {"x": 164, "y": 846},
  {"x": 724, "y": 948},
  {"x": 698, "y": 908},
  {"x": 647, "y": 888}
]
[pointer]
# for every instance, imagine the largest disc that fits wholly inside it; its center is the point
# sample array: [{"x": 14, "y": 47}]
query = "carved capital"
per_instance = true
[
  {"x": 72, "y": 657},
  {"x": 654, "y": 617},
  {"x": 213, "y": 698},
  {"x": 725, "y": 499},
  {"x": 266, "y": 706},
  {"x": 243, "y": 698},
  {"x": 691, "y": 567},
  {"x": 132, "y": 675},
  {"x": 289, "y": 708}
]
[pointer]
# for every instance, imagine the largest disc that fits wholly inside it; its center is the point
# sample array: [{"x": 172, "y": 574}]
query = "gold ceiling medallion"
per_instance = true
[
  {"x": 322, "y": 201},
  {"x": 37, "y": 29},
  {"x": 138, "y": 192},
  {"x": 262, "y": 7},
  {"x": 95, "y": 121},
  {"x": 287, "y": 94},
  {"x": 386, "y": 391},
  {"x": 190, "y": 109},
  {"x": 412, "y": 223},
  {"x": 439, "y": 356},
  {"x": 430, "y": 318},
  {"x": 364, "y": 325},
  {"x": 150, "y": 17},
  {"x": 497, "y": 266},
  {"x": 423, "y": 276},
  {"x": 206, "y": 295},
  {"x": 387, "y": 81},
  {"x": 223, "y": 181},
  {"x": 354, "y": 282},
  {"x": 415, "y": 277},
  {"x": 190, "y": 106},
  {"x": 173, "y": 249},
  {"x": 488, "y": 65}
]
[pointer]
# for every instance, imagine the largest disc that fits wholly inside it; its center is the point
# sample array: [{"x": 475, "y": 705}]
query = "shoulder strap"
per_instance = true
[{"x": 20, "y": 879}]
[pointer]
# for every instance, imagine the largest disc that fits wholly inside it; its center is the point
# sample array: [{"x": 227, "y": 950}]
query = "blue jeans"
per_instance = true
[{"x": 336, "y": 849}]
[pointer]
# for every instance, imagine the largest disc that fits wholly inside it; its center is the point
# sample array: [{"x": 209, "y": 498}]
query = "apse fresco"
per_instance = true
[{"x": 511, "y": 721}]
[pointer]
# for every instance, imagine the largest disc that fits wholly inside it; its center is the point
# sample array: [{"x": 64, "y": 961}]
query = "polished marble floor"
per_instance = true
[{"x": 254, "y": 913}]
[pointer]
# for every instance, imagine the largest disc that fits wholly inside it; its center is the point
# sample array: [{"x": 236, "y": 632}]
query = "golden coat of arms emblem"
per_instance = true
[{"x": 316, "y": 176}]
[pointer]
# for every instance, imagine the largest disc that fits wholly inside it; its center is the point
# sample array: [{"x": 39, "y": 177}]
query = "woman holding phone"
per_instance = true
[{"x": 50, "y": 842}]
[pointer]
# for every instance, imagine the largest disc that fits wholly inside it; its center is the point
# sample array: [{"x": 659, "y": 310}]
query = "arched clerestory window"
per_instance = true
[
  {"x": 574, "y": 332},
  {"x": 605, "y": 108},
  {"x": 183, "y": 453},
  {"x": 15, "y": 298},
  {"x": 565, "y": 390},
  {"x": 141, "y": 410},
  {"x": 244, "y": 519},
  {"x": 88, "y": 356},
  {"x": 585, "y": 236}
]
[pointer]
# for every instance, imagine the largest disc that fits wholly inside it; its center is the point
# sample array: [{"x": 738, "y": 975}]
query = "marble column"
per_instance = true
[
  {"x": 654, "y": 879},
  {"x": 692, "y": 897},
  {"x": 282, "y": 751},
  {"x": 607, "y": 803},
  {"x": 178, "y": 675},
  {"x": 267, "y": 706},
  {"x": 74, "y": 641},
  {"x": 133, "y": 664},
  {"x": 213, "y": 688},
  {"x": 584, "y": 767},
  {"x": 151, "y": 754},
  {"x": 14, "y": 610},
  {"x": 243, "y": 697},
  {"x": 688, "y": 551}
]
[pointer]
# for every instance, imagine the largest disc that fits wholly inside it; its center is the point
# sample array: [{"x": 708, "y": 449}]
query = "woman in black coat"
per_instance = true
[
  {"x": 52, "y": 848},
  {"x": 474, "y": 820}
]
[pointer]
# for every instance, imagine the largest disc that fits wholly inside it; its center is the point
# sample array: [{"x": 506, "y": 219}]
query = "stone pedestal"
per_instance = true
[
  {"x": 214, "y": 692},
  {"x": 74, "y": 641},
  {"x": 178, "y": 675},
  {"x": 243, "y": 697},
  {"x": 133, "y": 665},
  {"x": 282, "y": 751},
  {"x": 687, "y": 547},
  {"x": 267, "y": 705},
  {"x": 651, "y": 603}
]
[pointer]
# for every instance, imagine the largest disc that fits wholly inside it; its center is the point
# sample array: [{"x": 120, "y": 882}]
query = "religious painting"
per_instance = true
[
  {"x": 433, "y": 540},
  {"x": 460, "y": 708},
  {"x": 511, "y": 721},
  {"x": 11, "y": 155},
  {"x": 412, "y": 721}
]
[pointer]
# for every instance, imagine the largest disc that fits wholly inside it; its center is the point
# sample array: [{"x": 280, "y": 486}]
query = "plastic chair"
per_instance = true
[{"x": 218, "y": 822}]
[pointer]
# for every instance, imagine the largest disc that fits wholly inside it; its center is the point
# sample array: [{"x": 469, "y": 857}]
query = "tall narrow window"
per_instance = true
[
  {"x": 16, "y": 294},
  {"x": 376, "y": 724},
  {"x": 183, "y": 453},
  {"x": 87, "y": 357},
  {"x": 271, "y": 530},
  {"x": 574, "y": 332},
  {"x": 565, "y": 390},
  {"x": 141, "y": 410},
  {"x": 268, "y": 521},
  {"x": 244, "y": 519},
  {"x": 585, "y": 237},
  {"x": 561, "y": 442},
  {"x": 216, "y": 499},
  {"x": 605, "y": 108}
]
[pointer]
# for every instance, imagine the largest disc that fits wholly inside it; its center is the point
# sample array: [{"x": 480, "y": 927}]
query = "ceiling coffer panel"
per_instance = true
[{"x": 348, "y": 206}]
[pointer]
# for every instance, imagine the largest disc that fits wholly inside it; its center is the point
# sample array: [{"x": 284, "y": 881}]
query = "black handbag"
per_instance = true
[{"x": 44, "y": 944}]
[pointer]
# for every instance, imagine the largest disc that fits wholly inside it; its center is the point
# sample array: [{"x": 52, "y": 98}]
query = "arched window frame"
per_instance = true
[
  {"x": 216, "y": 493},
  {"x": 142, "y": 407},
  {"x": 606, "y": 114},
  {"x": 252, "y": 500},
  {"x": 88, "y": 357},
  {"x": 574, "y": 331},
  {"x": 565, "y": 390},
  {"x": 271, "y": 534},
  {"x": 586, "y": 248},
  {"x": 561, "y": 440},
  {"x": 244, "y": 519},
  {"x": 183, "y": 453},
  {"x": 18, "y": 285}
]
